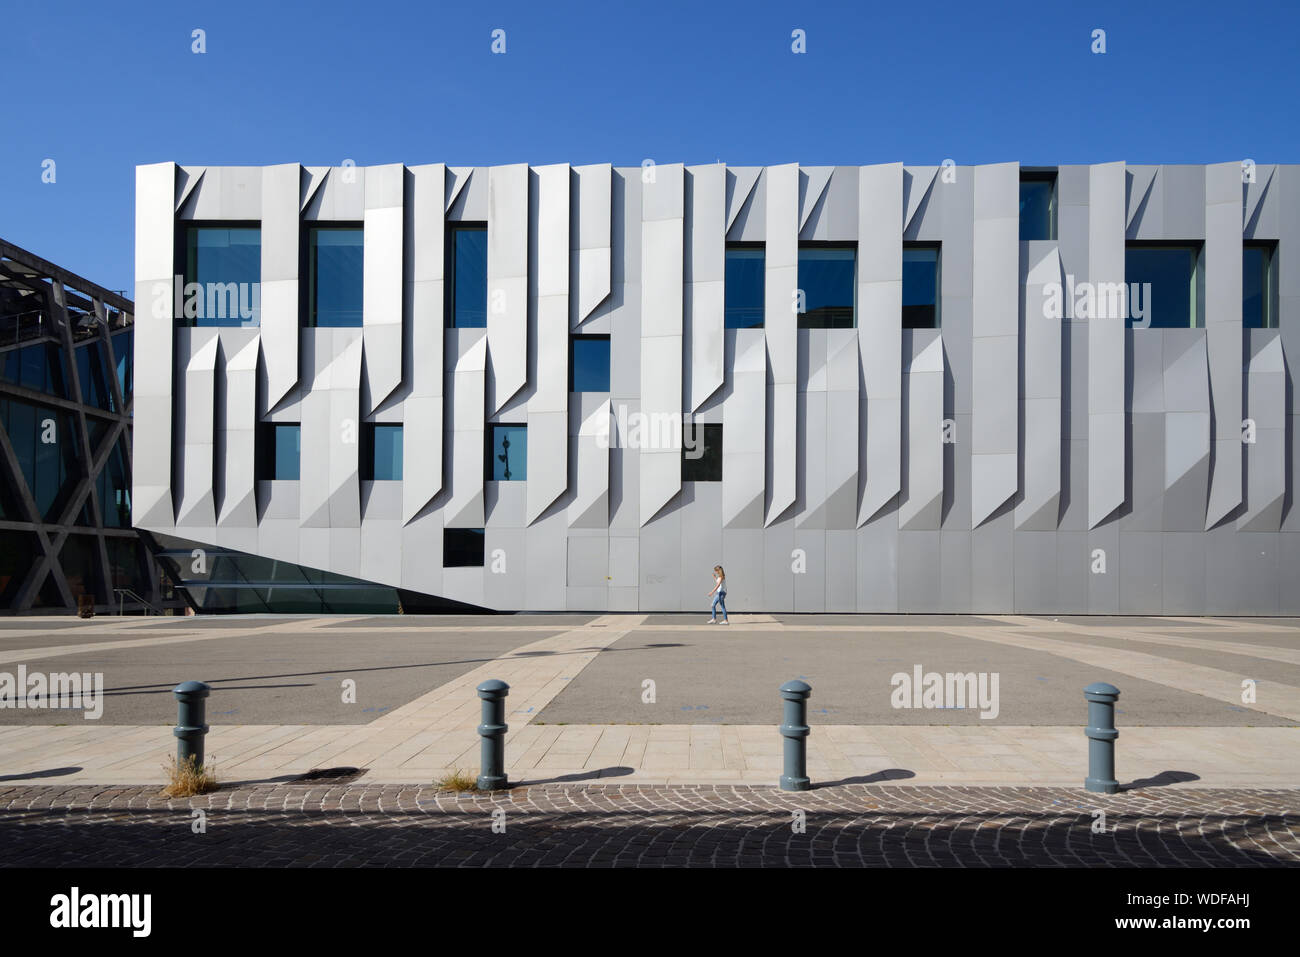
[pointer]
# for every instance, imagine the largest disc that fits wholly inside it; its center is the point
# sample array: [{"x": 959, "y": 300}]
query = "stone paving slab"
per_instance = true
[{"x": 649, "y": 826}]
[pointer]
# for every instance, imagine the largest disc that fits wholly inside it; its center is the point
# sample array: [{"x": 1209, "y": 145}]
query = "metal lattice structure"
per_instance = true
[{"x": 66, "y": 370}]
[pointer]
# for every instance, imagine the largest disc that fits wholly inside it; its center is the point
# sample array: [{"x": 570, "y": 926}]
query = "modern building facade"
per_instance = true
[
  {"x": 65, "y": 445},
  {"x": 860, "y": 389}
]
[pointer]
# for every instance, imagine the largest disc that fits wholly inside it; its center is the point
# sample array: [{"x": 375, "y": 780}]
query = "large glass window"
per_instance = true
[
  {"x": 223, "y": 273},
  {"x": 702, "y": 453},
  {"x": 381, "y": 453},
  {"x": 38, "y": 366},
  {"x": 827, "y": 286},
  {"x": 920, "y": 287},
  {"x": 467, "y": 275},
  {"x": 45, "y": 444},
  {"x": 114, "y": 490},
  {"x": 279, "y": 451},
  {"x": 1162, "y": 284},
  {"x": 744, "y": 287},
  {"x": 335, "y": 257},
  {"x": 507, "y": 450},
  {"x": 1259, "y": 286},
  {"x": 1037, "y": 206},
  {"x": 589, "y": 364},
  {"x": 462, "y": 547}
]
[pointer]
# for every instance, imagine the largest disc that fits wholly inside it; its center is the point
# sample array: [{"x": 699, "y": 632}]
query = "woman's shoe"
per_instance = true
[
  {"x": 712, "y": 621},
  {"x": 725, "y": 622}
]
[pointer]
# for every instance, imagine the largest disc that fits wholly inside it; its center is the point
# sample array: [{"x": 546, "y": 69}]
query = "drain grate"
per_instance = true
[{"x": 330, "y": 776}]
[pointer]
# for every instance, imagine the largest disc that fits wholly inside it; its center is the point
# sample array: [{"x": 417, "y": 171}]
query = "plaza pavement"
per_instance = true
[{"x": 577, "y": 712}]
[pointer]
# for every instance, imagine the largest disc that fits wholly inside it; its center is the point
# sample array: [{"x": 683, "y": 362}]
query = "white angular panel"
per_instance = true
[
  {"x": 1223, "y": 281},
  {"x": 662, "y": 238},
  {"x": 1040, "y": 264},
  {"x": 812, "y": 186},
  {"x": 921, "y": 497},
  {"x": 464, "y": 509},
  {"x": 151, "y": 496},
  {"x": 507, "y": 289},
  {"x": 880, "y": 324},
  {"x": 781, "y": 328},
  {"x": 281, "y": 233},
  {"x": 706, "y": 272},
  {"x": 995, "y": 339},
  {"x": 239, "y": 503},
  {"x": 589, "y": 240},
  {"x": 197, "y": 500},
  {"x": 548, "y": 406},
  {"x": 590, "y": 506},
  {"x": 1106, "y": 453},
  {"x": 329, "y": 486},
  {"x": 382, "y": 259},
  {"x": 744, "y": 430},
  {"x": 1266, "y": 455},
  {"x": 422, "y": 410},
  {"x": 740, "y": 184}
]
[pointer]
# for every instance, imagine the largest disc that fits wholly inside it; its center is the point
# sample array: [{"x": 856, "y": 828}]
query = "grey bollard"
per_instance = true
[
  {"x": 1101, "y": 734},
  {"x": 190, "y": 728},
  {"x": 794, "y": 728},
  {"x": 492, "y": 732}
]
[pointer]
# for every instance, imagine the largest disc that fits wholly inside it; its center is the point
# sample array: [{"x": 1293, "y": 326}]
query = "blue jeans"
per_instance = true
[{"x": 719, "y": 601}]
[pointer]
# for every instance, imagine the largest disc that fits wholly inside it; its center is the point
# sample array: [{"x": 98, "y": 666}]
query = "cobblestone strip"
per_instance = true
[{"x": 627, "y": 825}]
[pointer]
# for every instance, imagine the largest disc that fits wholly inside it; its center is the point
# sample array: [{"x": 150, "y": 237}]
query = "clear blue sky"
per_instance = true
[{"x": 101, "y": 87}]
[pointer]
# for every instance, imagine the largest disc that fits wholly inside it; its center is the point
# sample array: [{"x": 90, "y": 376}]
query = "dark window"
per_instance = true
[
  {"x": 589, "y": 364},
  {"x": 45, "y": 444},
  {"x": 1162, "y": 286},
  {"x": 462, "y": 547},
  {"x": 1037, "y": 206},
  {"x": 1259, "y": 285},
  {"x": 827, "y": 284},
  {"x": 279, "y": 451},
  {"x": 114, "y": 489},
  {"x": 744, "y": 287},
  {"x": 702, "y": 453},
  {"x": 335, "y": 260},
  {"x": 123, "y": 351},
  {"x": 920, "y": 287},
  {"x": 381, "y": 452},
  {"x": 507, "y": 453},
  {"x": 467, "y": 275},
  {"x": 223, "y": 272}
]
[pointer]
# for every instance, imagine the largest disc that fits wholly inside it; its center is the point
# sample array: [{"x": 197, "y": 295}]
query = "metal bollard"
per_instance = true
[
  {"x": 492, "y": 730},
  {"x": 1101, "y": 734},
  {"x": 795, "y": 730},
  {"x": 190, "y": 728}
]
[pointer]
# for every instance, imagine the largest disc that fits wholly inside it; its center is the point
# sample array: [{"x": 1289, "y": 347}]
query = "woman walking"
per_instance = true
[{"x": 719, "y": 594}]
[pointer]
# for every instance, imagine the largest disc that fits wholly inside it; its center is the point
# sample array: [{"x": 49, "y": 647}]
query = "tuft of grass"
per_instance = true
[
  {"x": 458, "y": 780},
  {"x": 188, "y": 778}
]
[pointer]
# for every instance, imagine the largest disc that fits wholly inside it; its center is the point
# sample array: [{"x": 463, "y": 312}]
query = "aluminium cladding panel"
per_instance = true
[
  {"x": 843, "y": 407},
  {"x": 1040, "y": 344},
  {"x": 152, "y": 441},
  {"x": 743, "y": 429},
  {"x": 196, "y": 358},
  {"x": 995, "y": 340},
  {"x": 705, "y": 268},
  {"x": 282, "y": 188},
  {"x": 331, "y": 431},
  {"x": 781, "y": 329},
  {"x": 423, "y": 408},
  {"x": 507, "y": 279},
  {"x": 1106, "y": 415},
  {"x": 382, "y": 281},
  {"x": 548, "y": 405},
  {"x": 1186, "y": 428},
  {"x": 238, "y": 505},
  {"x": 466, "y": 350},
  {"x": 879, "y": 333},
  {"x": 590, "y": 433},
  {"x": 1266, "y": 449},
  {"x": 921, "y": 497},
  {"x": 590, "y": 237},
  {"x": 662, "y": 238},
  {"x": 1223, "y": 280}
]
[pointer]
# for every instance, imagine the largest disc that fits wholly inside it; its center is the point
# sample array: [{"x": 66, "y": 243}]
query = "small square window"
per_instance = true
[
  {"x": 222, "y": 265},
  {"x": 1259, "y": 285},
  {"x": 827, "y": 286},
  {"x": 1037, "y": 206},
  {"x": 381, "y": 452},
  {"x": 920, "y": 286},
  {"x": 279, "y": 451},
  {"x": 743, "y": 290},
  {"x": 589, "y": 364},
  {"x": 467, "y": 275},
  {"x": 462, "y": 547},
  {"x": 702, "y": 453},
  {"x": 1164, "y": 289},
  {"x": 507, "y": 453}
]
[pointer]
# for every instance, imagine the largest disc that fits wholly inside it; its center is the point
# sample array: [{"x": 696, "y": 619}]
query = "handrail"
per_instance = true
[{"x": 122, "y": 594}]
